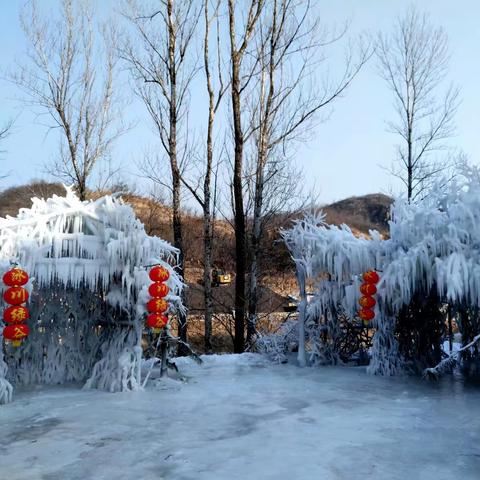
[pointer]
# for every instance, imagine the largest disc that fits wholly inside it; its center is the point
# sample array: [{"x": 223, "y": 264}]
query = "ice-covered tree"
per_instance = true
[
  {"x": 429, "y": 264},
  {"x": 88, "y": 262}
]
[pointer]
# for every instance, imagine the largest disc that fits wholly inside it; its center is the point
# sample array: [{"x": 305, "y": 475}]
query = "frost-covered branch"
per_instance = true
[{"x": 448, "y": 363}]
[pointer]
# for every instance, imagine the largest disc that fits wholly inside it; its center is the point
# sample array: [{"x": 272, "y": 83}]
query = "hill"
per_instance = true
[{"x": 368, "y": 212}]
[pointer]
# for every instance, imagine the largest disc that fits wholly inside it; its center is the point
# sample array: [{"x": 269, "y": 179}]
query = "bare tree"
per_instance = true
[
  {"x": 207, "y": 202},
  {"x": 413, "y": 60},
  {"x": 287, "y": 95},
  {"x": 159, "y": 61},
  {"x": 71, "y": 80},
  {"x": 238, "y": 49},
  {"x": 205, "y": 169}
]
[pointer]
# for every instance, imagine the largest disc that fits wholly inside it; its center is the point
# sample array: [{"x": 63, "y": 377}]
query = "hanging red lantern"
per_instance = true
[
  {"x": 16, "y": 333},
  {"x": 371, "y": 276},
  {"x": 158, "y": 290},
  {"x": 16, "y": 314},
  {"x": 367, "y": 302},
  {"x": 156, "y": 321},
  {"x": 368, "y": 289},
  {"x": 366, "y": 314},
  {"x": 159, "y": 274},
  {"x": 157, "y": 305},
  {"x": 15, "y": 295},
  {"x": 15, "y": 277}
]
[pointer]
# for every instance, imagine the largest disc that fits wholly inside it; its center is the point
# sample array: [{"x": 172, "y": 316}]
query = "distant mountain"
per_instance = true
[{"x": 364, "y": 213}]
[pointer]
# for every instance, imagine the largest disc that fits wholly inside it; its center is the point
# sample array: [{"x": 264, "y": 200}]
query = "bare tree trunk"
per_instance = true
[
  {"x": 409, "y": 153},
  {"x": 239, "y": 215},
  {"x": 176, "y": 176},
  {"x": 258, "y": 199},
  {"x": 205, "y": 197},
  {"x": 207, "y": 278},
  {"x": 82, "y": 190},
  {"x": 207, "y": 214},
  {"x": 236, "y": 56},
  {"x": 255, "y": 254}
]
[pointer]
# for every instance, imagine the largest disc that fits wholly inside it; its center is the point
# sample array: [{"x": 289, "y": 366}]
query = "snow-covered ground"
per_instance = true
[{"x": 242, "y": 418}]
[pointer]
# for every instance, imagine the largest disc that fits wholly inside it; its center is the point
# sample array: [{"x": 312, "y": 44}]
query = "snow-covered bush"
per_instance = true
[
  {"x": 431, "y": 260},
  {"x": 88, "y": 262},
  {"x": 276, "y": 345}
]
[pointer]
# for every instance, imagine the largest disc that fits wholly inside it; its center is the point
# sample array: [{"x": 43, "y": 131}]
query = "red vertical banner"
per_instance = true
[
  {"x": 15, "y": 315},
  {"x": 157, "y": 305}
]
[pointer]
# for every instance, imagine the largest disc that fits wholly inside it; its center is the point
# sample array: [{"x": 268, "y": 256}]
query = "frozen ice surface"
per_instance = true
[{"x": 238, "y": 417}]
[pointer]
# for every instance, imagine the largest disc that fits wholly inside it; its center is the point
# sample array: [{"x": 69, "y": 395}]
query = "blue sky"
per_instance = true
[{"x": 344, "y": 156}]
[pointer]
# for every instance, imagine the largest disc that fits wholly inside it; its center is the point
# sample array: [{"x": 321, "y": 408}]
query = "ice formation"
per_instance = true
[
  {"x": 88, "y": 262},
  {"x": 430, "y": 264}
]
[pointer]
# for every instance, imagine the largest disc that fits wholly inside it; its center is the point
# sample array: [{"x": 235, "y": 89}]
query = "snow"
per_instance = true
[
  {"x": 433, "y": 248},
  {"x": 237, "y": 417},
  {"x": 88, "y": 264}
]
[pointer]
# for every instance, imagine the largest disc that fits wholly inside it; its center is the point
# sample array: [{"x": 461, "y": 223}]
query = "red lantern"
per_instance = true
[
  {"x": 15, "y": 295},
  {"x": 159, "y": 274},
  {"x": 156, "y": 321},
  {"x": 16, "y": 314},
  {"x": 367, "y": 302},
  {"x": 16, "y": 333},
  {"x": 366, "y": 314},
  {"x": 371, "y": 277},
  {"x": 158, "y": 290},
  {"x": 368, "y": 289},
  {"x": 15, "y": 278},
  {"x": 157, "y": 305}
]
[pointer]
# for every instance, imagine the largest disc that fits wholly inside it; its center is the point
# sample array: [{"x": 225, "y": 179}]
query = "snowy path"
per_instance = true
[{"x": 239, "y": 418}]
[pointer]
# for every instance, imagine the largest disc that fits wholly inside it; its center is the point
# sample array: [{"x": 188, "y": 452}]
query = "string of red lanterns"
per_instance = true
[
  {"x": 15, "y": 315},
  {"x": 157, "y": 306},
  {"x": 366, "y": 301}
]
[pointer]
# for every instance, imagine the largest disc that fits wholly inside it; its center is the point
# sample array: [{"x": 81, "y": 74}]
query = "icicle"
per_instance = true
[
  {"x": 89, "y": 262},
  {"x": 432, "y": 244}
]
